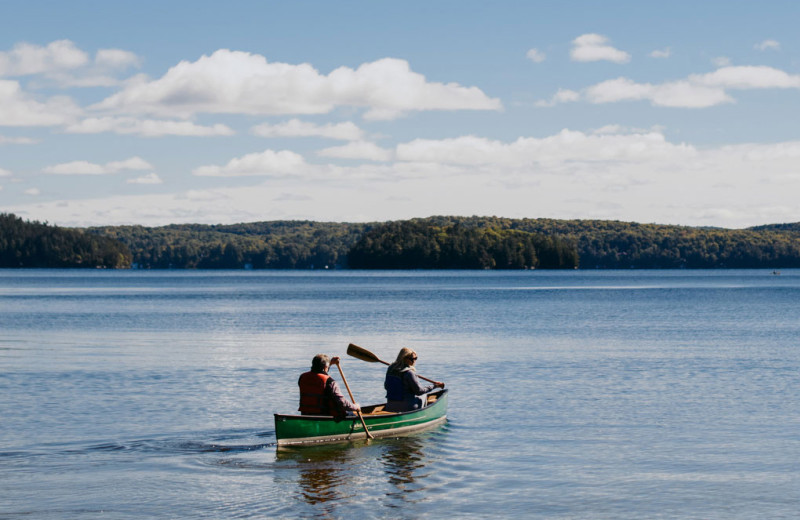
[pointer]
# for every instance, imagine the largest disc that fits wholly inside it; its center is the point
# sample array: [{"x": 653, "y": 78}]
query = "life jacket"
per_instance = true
[
  {"x": 395, "y": 388},
  {"x": 313, "y": 400}
]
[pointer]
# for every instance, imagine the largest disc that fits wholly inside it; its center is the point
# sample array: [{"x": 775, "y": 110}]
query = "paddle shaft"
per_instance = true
[
  {"x": 365, "y": 355},
  {"x": 363, "y": 423}
]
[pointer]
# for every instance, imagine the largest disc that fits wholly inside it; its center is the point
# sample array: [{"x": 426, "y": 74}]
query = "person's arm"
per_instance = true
[
  {"x": 412, "y": 384},
  {"x": 341, "y": 401}
]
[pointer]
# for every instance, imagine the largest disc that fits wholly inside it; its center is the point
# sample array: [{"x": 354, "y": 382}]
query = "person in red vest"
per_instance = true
[{"x": 319, "y": 393}]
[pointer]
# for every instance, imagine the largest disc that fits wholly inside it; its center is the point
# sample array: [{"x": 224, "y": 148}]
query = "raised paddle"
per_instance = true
[
  {"x": 366, "y": 430},
  {"x": 365, "y": 355}
]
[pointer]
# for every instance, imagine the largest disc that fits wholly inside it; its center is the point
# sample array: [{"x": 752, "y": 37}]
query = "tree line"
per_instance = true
[
  {"x": 418, "y": 244},
  {"x": 36, "y": 244},
  {"x": 434, "y": 242}
]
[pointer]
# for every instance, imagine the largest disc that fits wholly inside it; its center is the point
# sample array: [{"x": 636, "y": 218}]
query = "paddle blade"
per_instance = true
[{"x": 363, "y": 354}]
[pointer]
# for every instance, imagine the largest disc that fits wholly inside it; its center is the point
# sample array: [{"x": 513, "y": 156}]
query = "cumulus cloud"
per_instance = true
[
  {"x": 17, "y": 108},
  {"x": 616, "y": 173},
  {"x": 4, "y": 173},
  {"x": 358, "y": 150},
  {"x": 16, "y": 140},
  {"x": 27, "y": 59},
  {"x": 674, "y": 94},
  {"x": 116, "y": 59},
  {"x": 145, "y": 127},
  {"x": 33, "y": 192},
  {"x": 346, "y": 131},
  {"x": 536, "y": 56},
  {"x": 661, "y": 53},
  {"x": 150, "y": 178},
  {"x": 562, "y": 96},
  {"x": 243, "y": 83},
  {"x": 88, "y": 168},
  {"x": 561, "y": 149},
  {"x": 266, "y": 163},
  {"x": 696, "y": 91},
  {"x": 768, "y": 45},
  {"x": 594, "y": 47},
  {"x": 721, "y": 61},
  {"x": 747, "y": 77}
]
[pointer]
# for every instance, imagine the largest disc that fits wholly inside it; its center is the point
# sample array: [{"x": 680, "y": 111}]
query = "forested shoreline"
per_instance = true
[
  {"x": 441, "y": 242},
  {"x": 34, "y": 244}
]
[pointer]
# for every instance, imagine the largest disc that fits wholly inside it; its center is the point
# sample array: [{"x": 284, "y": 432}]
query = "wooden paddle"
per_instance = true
[
  {"x": 366, "y": 430},
  {"x": 365, "y": 355}
]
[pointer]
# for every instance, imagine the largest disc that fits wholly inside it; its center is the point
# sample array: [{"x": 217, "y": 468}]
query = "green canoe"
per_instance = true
[{"x": 293, "y": 430}]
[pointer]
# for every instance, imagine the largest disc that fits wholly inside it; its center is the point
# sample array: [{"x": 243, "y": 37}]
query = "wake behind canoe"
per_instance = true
[{"x": 315, "y": 429}]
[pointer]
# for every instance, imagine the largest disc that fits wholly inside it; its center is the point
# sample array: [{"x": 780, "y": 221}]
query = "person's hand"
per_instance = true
[
  {"x": 438, "y": 384},
  {"x": 358, "y": 406},
  {"x": 335, "y": 360}
]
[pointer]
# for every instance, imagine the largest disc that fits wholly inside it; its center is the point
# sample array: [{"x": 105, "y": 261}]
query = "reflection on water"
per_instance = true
[
  {"x": 404, "y": 462},
  {"x": 387, "y": 472}
]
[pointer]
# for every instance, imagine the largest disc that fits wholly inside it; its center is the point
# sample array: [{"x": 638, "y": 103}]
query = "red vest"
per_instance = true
[{"x": 313, "y": 400}]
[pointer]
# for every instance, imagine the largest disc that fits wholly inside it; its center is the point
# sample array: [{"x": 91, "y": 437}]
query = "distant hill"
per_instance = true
[
  {"x": 33, "y": 244},
  {"x": 599, "y": 244},
  {"x": 257, "y": 245},
  {"x": 787, "y": 228},
  {"x": 433, "y": 242}
]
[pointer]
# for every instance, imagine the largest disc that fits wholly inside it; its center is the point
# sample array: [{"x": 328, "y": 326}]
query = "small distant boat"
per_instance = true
[{"x": 298, "y": 430}]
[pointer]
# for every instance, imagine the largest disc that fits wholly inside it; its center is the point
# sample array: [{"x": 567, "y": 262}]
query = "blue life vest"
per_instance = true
[{"x": 394, "y": 385}]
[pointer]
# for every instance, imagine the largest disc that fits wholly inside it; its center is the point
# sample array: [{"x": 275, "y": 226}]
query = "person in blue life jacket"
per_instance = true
[
  {"x": 319, "y": 393},
  {"x": 403, "y": 391}
]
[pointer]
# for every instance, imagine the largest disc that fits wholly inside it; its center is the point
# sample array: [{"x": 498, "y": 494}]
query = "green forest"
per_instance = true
[
  {"x": 423, "y": 245},
  {"x": 35, "y": 244},
  {"x": 442, "y": 242}
]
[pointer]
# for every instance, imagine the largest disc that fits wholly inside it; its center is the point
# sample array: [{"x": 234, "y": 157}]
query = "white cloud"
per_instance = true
[
  {"x": 768, "y": 45},
  {"x": 20, "y": 109},
  {"x": 33, "y": 192},
  {"x": 88, "y": 168},
  {"x": 16, "y": 140},
  {"x": 346, "y": 131},
  {"x": 150, "y": 178},
  {"x": 661, "y": 53},
  {"x": 268, "y": 163},
  {"x": 26, "y": 59},
  {"x": 242, "y": 83},
  {"x": 560, "y": 150},
  {"x": 721, "y": 61},
  {"x": 146, "y": 127},
  {"x": 5, "y": 173},
  {"x": 594, "y": 47},
  {"x": 675, "y": 94},
  {"x": 747, "y": 77},
  {"x": 536, "y": 56},
  {"x": 562, "y": 96},
  {"x": 639, "y": 176},
  {"x": 358, "y": 150},
  {"x": 697, "y": 91},
  {"x": 116, "y": 59}
]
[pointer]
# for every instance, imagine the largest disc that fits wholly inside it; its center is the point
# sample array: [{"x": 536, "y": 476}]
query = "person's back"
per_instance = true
[
  {"x": 319, "y": 393},
  {"x": 403, "y": 391},
  {"x": 313, "y": 398}
]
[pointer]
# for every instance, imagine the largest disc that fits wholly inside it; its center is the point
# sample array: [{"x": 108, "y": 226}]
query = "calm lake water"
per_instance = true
[{"x": 580, "y": 394}]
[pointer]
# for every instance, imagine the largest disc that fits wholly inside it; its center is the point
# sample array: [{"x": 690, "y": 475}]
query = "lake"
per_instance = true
[{"x": 579, "y": 394}]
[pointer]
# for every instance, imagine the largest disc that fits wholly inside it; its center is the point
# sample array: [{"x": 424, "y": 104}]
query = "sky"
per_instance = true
[{"x": 169, "y": 112}]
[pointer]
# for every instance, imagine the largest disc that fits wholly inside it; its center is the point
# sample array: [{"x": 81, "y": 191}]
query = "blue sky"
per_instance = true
[{"x": 170, "y": 112}]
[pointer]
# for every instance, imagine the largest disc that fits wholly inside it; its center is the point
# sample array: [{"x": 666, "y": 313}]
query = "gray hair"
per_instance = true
[{"x": 320, "y": 363}]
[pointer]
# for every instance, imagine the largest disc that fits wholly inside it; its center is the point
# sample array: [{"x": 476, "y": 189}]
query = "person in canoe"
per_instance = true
[
  {"x": 319, "y": 393},
  {"x": 403, "y": 391}
]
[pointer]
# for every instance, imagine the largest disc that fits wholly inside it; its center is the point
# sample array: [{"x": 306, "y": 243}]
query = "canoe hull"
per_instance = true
[{"x": 294, "y": 430}]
